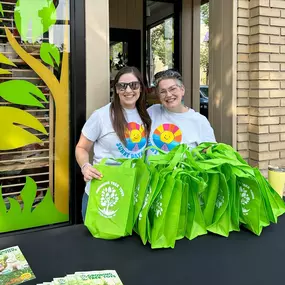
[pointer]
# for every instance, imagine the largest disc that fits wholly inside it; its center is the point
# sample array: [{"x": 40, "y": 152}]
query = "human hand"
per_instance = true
[
  {"x": 89, "y": 172},
  {"x": 205, "y": 150}
]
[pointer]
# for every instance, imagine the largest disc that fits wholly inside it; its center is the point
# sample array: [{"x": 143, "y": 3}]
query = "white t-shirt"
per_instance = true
[
  {"x": 98, "y": 129},
  {"x": 171, "y": 129}
]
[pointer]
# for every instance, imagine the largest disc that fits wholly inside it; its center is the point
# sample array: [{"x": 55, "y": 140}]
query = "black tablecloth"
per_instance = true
[{"x": 241, "y": 259}]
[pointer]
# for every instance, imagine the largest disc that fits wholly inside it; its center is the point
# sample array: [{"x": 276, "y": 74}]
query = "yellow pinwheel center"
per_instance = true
[
  {"x": 135, "y": 136},
  {"x": 167, "y": 137}
]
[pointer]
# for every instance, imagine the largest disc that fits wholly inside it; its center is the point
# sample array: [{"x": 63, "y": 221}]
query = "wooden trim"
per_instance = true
[
  {"x": 21, "y": 176},
  {"x": 23, "y": 151},
  {"x": 18, "y": 193},
  {"x": 191, "y": 52},
  {"x": 97, "y": 54},
  {"x": 196, "y": 56},
  {"x": 187, "y": 49},
  {"x": 234, "y": 74},
  {"x": 222, "y": 69},
  {"x": 22, "y": 166},
  {"x": 7, "y": 3},
  {"x": 26, "y": 159},
  {"x": 22, "y": 184},
  {"x": 178, "y": 35}
]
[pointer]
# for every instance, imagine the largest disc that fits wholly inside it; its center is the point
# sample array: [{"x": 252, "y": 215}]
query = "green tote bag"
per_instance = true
[
  {"x": 111, "y": 201},
  {"x": 164, "y": 214},
  {"x": 142, "y": 226},
  {"x": 142, "y": 182}
]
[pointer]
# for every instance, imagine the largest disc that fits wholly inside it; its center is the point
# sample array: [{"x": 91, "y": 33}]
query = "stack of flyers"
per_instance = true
[
  {"x": 105, "y": 277},
  {"x": 14, "y": 268}
]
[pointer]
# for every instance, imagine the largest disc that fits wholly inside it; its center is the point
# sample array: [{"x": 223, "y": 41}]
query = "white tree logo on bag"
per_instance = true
[
  {"x": 146, "y": 198},
  {"x": 157, "y": 206},
  {"x": 145, "y": 203},
  {"x": 109, "y": 198},
  {"x": 245, "y": 193},
  {"x": 220, "y": 200},
  {"x": 201, "y": 200},
  {"x": 136, "y": 194}
]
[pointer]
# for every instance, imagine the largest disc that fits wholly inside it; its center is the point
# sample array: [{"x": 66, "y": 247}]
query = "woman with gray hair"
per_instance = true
[{"x": 174, "y": 123}]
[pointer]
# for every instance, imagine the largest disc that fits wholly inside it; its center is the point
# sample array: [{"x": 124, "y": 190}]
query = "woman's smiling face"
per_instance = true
[
  {"x": 170, "y": 93},
  {"x": 130, "y": 94}
]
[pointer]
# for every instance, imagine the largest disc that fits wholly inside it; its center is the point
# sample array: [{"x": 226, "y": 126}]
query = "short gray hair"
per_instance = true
[{"x": 168, "y": 74}]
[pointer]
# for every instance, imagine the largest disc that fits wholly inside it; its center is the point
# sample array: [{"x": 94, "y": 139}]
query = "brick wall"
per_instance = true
[{"x": 261, "y": 82}]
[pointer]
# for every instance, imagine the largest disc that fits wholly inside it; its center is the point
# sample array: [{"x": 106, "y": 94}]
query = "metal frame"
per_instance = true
[
  {"x": 178, "y": 35},
  {"x": 160, "y": 21},
  {"x": 77, "y": 102}
]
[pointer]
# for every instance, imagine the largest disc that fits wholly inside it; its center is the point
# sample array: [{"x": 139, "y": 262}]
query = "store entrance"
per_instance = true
[{"x": 125, "y": 49}]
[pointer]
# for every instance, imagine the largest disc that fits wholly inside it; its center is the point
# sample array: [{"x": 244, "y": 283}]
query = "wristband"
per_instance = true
[{"x": 84, "y": 165}]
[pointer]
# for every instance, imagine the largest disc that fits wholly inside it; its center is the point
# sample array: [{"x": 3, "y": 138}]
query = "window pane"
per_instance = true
[
  {"x": 118, "y": 57},
  {"x": 204, "y": 90},
  {"x": 161, "y": 47},
  {"x": 204, "y": 59}
]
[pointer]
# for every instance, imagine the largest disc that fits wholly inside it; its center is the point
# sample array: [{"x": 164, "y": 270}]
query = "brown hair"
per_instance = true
[{"x": 117, "y": 114}]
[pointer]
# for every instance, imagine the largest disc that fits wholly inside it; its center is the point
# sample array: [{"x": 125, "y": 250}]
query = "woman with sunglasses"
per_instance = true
[
  {"x": 118, "y": 130},
  {"x": 174, "y": 123}
]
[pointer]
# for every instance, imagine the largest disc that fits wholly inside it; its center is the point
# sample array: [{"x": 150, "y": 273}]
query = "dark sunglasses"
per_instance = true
[{"x": 122, "y": 86}]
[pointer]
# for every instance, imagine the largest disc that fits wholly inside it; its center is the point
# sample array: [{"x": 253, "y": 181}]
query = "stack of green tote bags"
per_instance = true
[{"x": 181, "y": 194}]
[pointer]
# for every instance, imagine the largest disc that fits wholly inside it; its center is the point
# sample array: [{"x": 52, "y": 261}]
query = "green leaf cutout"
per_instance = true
[
  {"x": 3, "y": 208},
  {"x": 50, "y": 53},
  {"x": 1, "y": 10},
  {"x": 4, "y": 71},
  {"x": 28, "y": 194},
  {"x": 5, "y": 60},
  {"x": 21, "y": 92},
  {"x": 14, "y": 136},
  {"x": 44, "y": 213},
  {"x": 34, "y": 17},
  {"x": 15, "y": 208}
]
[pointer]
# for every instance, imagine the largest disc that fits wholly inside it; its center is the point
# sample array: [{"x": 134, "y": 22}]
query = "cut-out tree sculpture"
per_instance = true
[{"x": 33, "y": 18}]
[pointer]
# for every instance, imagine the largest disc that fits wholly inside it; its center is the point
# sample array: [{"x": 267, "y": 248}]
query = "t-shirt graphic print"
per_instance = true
[
  {"x": 135, "y": 141},
  {"x": 166, "y": 137},
  {"x": 169, "y": 129}
]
